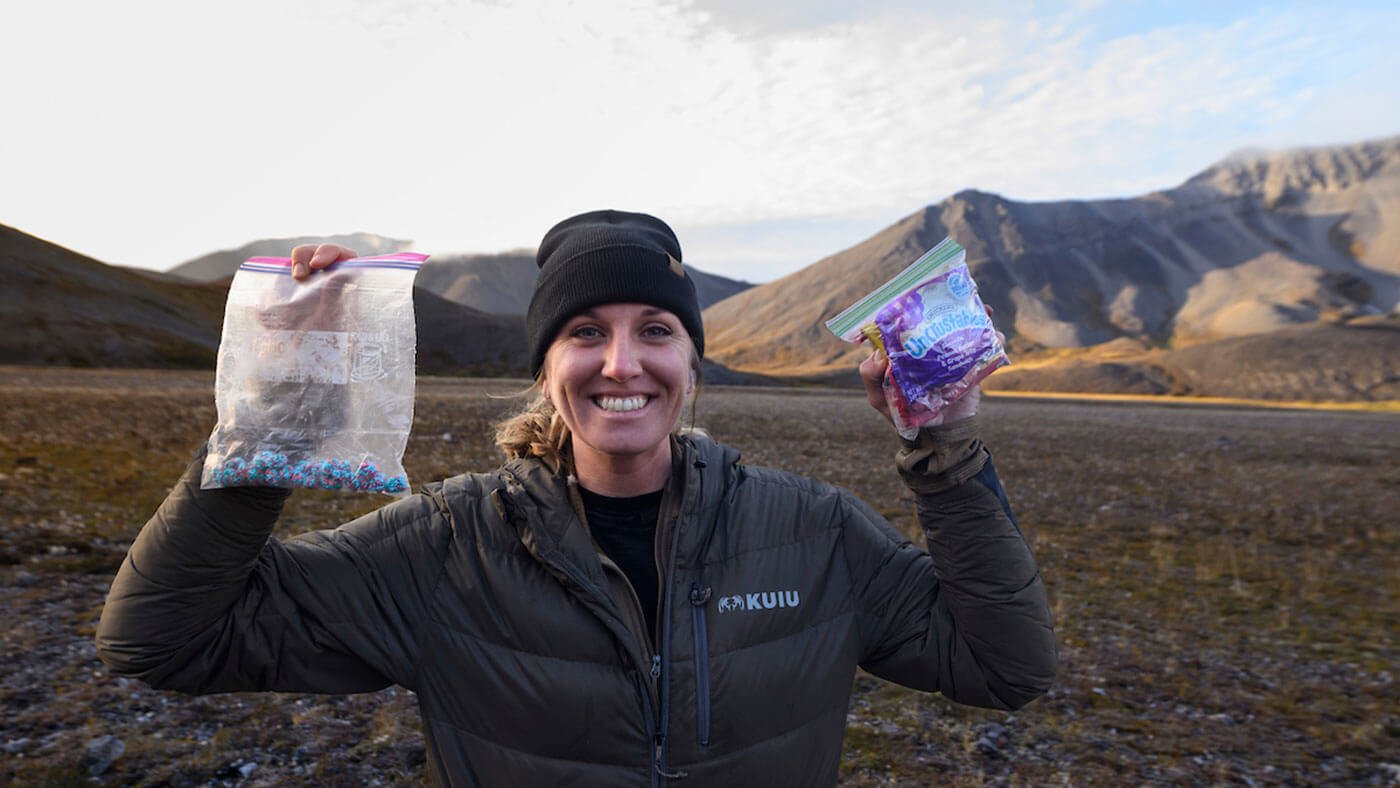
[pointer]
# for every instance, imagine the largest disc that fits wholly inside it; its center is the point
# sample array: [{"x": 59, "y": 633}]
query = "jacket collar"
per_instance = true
[
  {"x": 703, "y": 471},
  {"x": 538, "y": 504}
]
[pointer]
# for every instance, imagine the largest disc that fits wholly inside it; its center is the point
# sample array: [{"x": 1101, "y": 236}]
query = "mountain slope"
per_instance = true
[
  {"x": 61, "y": 308},
  {"x": 1251, "y": 245},
  {"x": 454, "y": 339}
]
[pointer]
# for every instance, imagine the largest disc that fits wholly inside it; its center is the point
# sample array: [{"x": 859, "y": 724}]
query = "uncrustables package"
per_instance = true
[
  {"x": 315, "y": 378},
  {"x": 935, "y": 330}
]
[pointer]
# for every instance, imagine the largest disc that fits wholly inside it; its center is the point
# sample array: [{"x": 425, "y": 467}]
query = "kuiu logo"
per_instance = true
[{"x": 762, "y": 600}]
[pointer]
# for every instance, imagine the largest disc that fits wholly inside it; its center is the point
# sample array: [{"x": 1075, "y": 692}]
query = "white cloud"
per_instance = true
[{"x": 151, "y": 132}]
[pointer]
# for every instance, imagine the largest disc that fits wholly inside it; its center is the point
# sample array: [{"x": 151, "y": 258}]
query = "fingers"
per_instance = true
[
  {"x": 872, "y": 374},
  {"x": 313, "y": 257}
]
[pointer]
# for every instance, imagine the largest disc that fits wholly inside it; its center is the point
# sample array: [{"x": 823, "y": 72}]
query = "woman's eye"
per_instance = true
[
  {"x": 657, "y": 330},
  {"x": 587, "y": 332}
]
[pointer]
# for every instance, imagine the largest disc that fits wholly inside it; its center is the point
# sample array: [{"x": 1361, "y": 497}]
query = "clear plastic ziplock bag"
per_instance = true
[
  {"x": 935, "y": 330},
  {"x": 315, "y": 379}
]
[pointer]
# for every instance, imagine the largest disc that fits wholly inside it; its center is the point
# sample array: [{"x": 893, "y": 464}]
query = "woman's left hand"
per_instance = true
[{"x": 872, "y": 374}]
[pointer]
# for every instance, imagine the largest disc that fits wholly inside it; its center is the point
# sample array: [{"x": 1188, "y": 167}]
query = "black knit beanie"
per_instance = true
[{"x": 608, "y": 257}]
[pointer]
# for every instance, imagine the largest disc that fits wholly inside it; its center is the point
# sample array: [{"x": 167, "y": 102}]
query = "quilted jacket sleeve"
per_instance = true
[
  {"x": 969, "y": 618},
  {"x": 206, "y": 602}
]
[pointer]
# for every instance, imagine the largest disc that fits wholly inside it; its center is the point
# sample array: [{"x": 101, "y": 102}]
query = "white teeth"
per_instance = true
[{"x": 620, "y": 404}]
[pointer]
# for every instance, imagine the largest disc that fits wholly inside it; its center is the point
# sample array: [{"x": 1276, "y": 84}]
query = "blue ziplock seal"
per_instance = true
[{"x": 847, "y": 325}]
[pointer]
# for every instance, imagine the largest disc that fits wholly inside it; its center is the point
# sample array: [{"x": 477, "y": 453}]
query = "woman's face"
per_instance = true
[{"x": 618, "y": 374}]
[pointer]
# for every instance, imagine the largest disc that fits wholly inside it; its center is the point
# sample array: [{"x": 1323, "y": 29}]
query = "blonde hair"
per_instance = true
[{"x": 539, "y": 431}]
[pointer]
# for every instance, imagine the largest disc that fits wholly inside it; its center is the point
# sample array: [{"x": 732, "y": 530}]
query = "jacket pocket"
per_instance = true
[{"x": 699, "y": 597}]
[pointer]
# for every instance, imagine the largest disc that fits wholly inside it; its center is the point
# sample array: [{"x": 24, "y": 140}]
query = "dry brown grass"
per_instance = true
[{"x": 1224, "y": 580}]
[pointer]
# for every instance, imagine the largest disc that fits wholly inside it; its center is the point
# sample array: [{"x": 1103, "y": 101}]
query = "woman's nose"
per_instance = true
[{"x": 621, "y": 362}]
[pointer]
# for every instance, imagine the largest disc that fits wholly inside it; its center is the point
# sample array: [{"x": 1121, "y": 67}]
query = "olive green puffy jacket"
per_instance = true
[{"x": 486, "y": 597}]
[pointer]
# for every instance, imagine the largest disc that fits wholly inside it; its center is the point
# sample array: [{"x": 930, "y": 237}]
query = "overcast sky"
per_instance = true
[{"x": 769, "y": 134}]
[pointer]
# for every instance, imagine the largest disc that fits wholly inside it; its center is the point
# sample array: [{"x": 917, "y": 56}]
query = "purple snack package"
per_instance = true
[
  {"x": 940, "y": 343},
  {"x": 933, "y": 327}
]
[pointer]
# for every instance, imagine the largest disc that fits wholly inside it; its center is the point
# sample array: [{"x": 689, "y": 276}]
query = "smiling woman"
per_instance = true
[
  {"x": 619, "y": 374},
  {"x": 618, "y": 603}
]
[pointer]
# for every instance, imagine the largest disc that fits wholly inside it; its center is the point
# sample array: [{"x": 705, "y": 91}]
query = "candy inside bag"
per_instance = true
[
  {"x": 315, "y": 379},
  {"x": 935, "y": 330}
]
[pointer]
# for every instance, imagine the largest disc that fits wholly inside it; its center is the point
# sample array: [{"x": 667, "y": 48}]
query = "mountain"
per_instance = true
[
  {"x": 498, "y": 283},
  {"x": 1250, "y": 246},
  {"x": 502, "y": 283},
  {"x": 454, "y": 339},
  {"x": 222, "y": 265},
  {"x": 61, "y": 308},
  {"x": 493, "y": 283}
]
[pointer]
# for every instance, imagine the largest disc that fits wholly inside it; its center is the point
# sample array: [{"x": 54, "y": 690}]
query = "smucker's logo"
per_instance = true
[{"x": 761, "y": 600}]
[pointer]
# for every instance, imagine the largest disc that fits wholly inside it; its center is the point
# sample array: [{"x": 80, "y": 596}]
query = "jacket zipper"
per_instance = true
[
  {"x": 698, "y": 598},
  {"x": 663, "y": 661},
  {"x": 659, "y": 772},
  {"x": 651, "y": 722},
  {"x": 648, "y": 693}
]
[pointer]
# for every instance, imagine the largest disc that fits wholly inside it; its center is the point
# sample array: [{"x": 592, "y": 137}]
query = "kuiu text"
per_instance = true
[{"x": 761, "y": 600}]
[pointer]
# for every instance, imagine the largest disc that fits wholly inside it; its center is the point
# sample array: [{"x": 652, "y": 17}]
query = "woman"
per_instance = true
[{"x": 618, "y": 604}]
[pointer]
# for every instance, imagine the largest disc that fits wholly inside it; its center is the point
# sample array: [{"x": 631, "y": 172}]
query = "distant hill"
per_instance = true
[
  {"x": 215, "y": 266},
  {"x": 1250, "y": 246},
  {"x": 454, "y": 339},
  {"x": 60, "y": 308},
  {"x": 494, "y": 283},
  {"x": 502, "y": 283}
]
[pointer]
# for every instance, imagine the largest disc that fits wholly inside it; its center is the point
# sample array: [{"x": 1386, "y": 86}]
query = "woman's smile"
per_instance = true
[{"x": 614, "y": 404}]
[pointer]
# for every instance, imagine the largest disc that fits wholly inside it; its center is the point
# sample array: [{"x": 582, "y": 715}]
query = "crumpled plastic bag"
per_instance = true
[{"x": 315, "y": 379}]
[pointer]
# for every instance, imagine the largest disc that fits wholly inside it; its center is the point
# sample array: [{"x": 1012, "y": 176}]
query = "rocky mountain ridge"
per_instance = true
[
  {"x": 1252, "y": 245},
  {"x": 1265, "y": 276}
]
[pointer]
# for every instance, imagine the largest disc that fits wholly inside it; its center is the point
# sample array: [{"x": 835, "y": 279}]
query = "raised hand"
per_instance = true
[{"x": 313, "y": 257}]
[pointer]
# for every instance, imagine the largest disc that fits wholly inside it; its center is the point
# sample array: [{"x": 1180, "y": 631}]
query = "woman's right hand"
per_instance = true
[{"x": 313, "y": 257}]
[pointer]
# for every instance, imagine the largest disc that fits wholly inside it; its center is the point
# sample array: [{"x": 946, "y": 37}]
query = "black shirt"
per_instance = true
[{"x": 625, "y": 528}]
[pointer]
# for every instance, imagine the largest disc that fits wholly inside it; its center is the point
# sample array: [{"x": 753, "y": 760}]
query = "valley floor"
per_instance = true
[{"x": 1224, "y": 580}]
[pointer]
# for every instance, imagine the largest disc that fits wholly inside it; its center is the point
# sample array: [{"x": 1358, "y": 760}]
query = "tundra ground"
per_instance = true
[{"x": 1225, "y": 580}]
